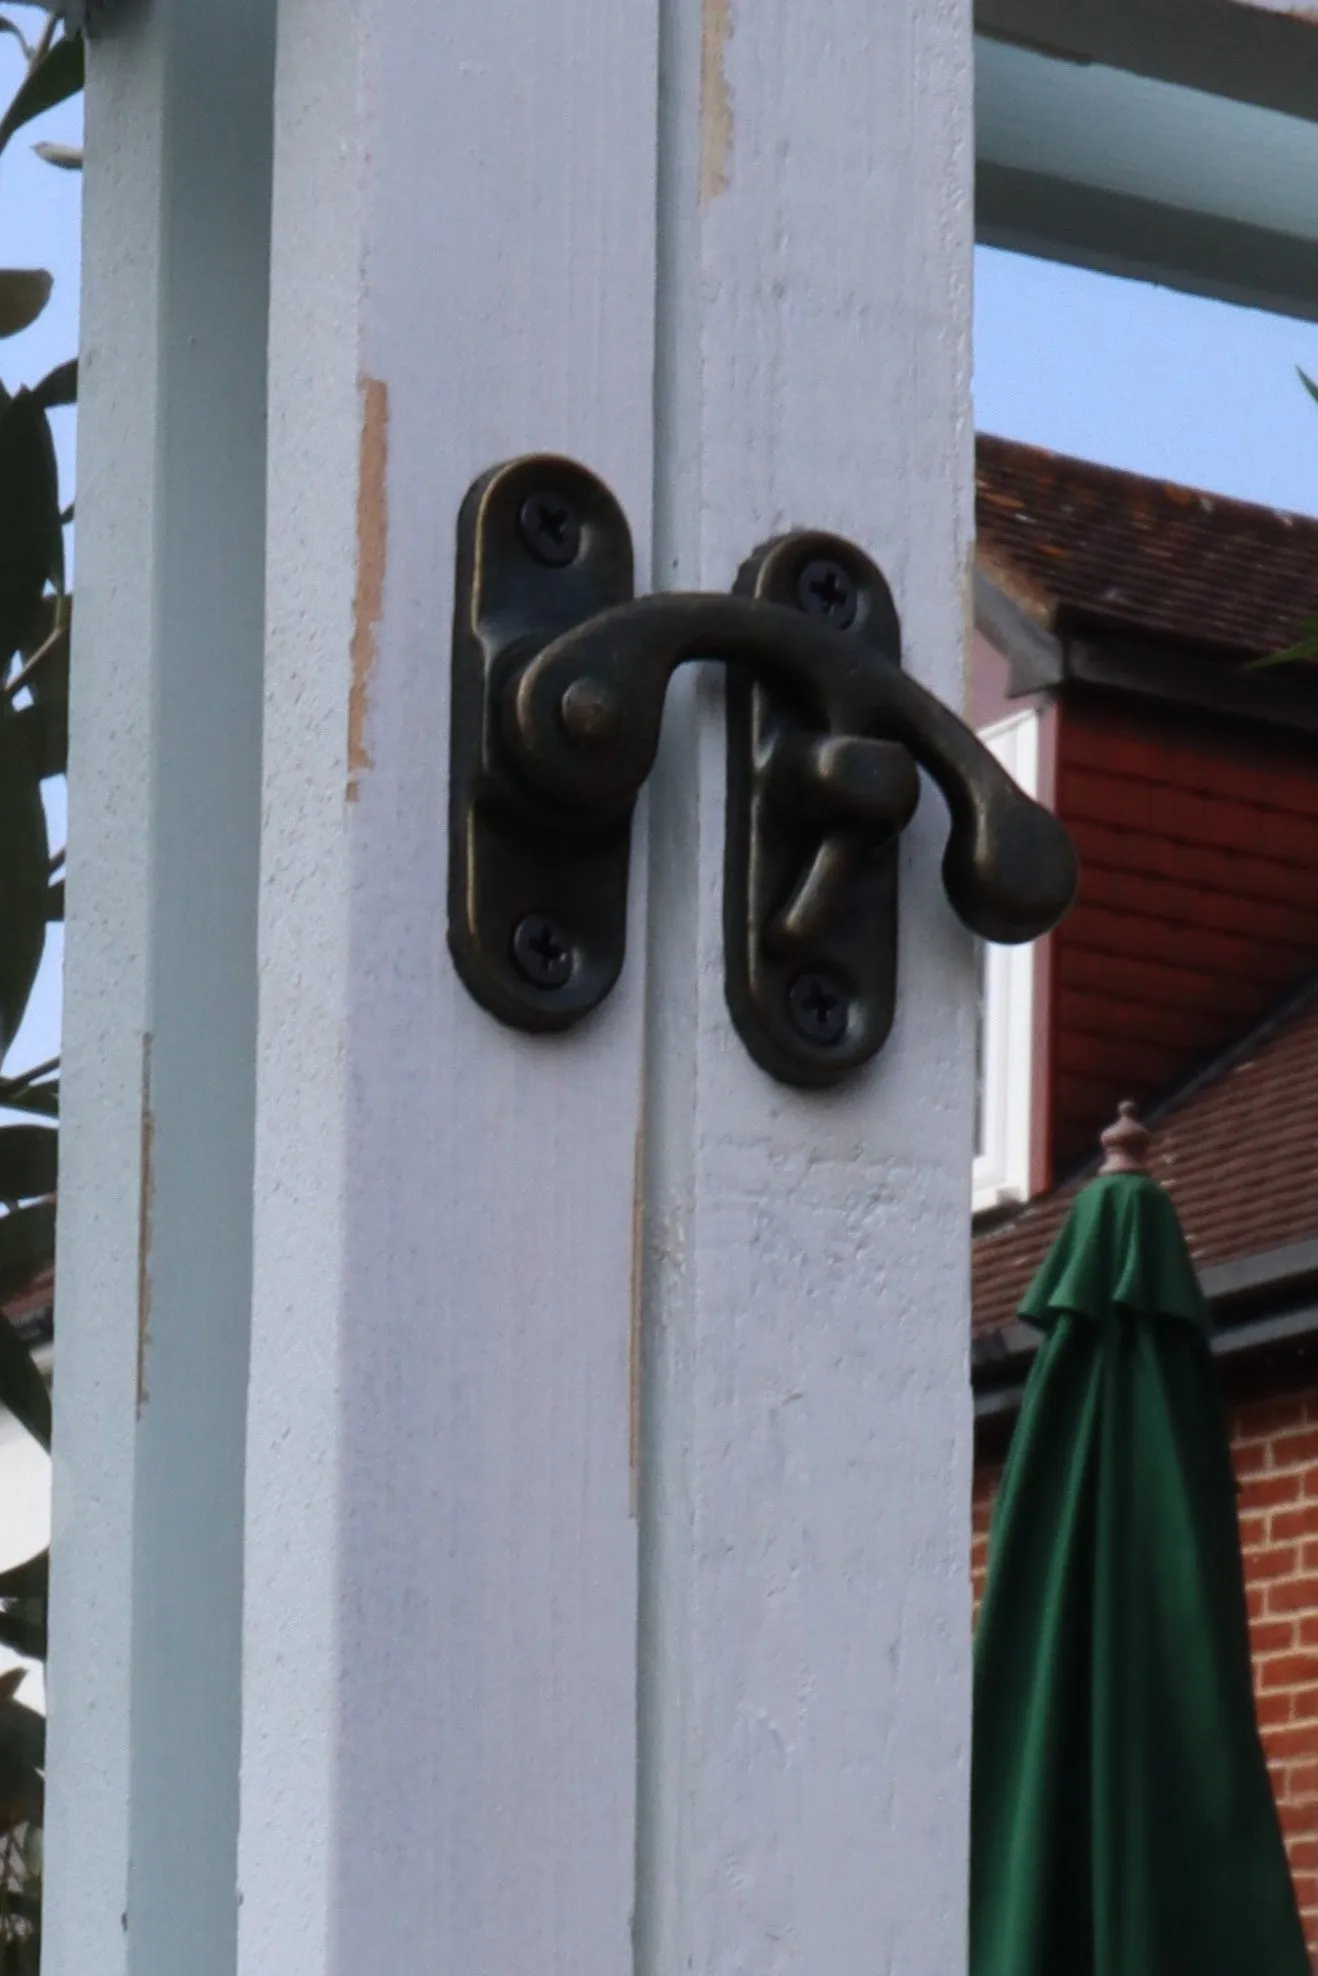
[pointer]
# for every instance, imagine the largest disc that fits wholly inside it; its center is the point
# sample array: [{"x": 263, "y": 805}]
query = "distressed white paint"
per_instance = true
[
  {"x": 805, "y": 1610},
  {"x": 439, "y": 1700},
  {"x": 442, "y": 1674},
  {"x": 141, "y": 1834}
]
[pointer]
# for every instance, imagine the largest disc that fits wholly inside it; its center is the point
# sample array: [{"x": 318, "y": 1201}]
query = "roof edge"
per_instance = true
[
  {"x": 1037, "y": 659},
  {"x": 1149, "y": 670}
]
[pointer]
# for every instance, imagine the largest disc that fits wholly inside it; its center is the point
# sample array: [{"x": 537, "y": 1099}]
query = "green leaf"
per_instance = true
[
  {"x": 1308, "y": 384},
  {"x": 22, "y": 1389},
  {"x": 56, "y": 76},
  {"x": 27, "y": 1246},
  {"x": 29, "y": 1580},
  {"x": 58, "y": 387},
  {"x": 23, "y": 1629},
  {"x": 24, "y": 863},
  {"x": 51, "y": 732},
  {"x": 24, "y": 293},
  {"x": 42, "y": 736},
  {"x": 12, "y": 27},
  {"x": 22, "y": 1794},
  {"x": 1305, "y": 647},
  {"x": 23, "y": 1730},
  {"x": 67, "y": 157},
  {"x": 37, "y": 1100},
  {"x": 29, "y": 516},
  {"x": 45, "y": 654},
  {"x": 29, "y": 1164}
]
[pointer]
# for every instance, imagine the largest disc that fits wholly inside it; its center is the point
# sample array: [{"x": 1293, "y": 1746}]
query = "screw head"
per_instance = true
[
  {"x": 818, "y": 1005},
  {"x": 542, "y": 952},
  {"x": 591, "y": 712},
  {"x": 825, "y": 589},
  {"x": 548, "y": 525}
]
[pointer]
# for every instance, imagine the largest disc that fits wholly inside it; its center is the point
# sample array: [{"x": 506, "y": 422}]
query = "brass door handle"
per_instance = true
[{"x": 559, "y": 681}]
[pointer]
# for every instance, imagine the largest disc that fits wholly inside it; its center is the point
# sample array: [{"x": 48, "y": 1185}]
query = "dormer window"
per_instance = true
[{"x": 1005, "y": 1035}]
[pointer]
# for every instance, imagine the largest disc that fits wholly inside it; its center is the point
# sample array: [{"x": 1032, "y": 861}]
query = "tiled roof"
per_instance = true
[
  {"x": 1237, "y": 1152},
  {"x": 1076, "y": 544}
]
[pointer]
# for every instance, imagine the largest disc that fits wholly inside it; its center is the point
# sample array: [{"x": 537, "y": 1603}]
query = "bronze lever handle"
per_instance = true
[
  {"x": 559, "y": 680},
  {"x": 1009, "y": 868}
]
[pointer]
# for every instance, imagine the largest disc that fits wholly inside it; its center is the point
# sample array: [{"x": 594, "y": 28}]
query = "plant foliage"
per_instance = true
[
  {"x": 1305, "y": 646},
  {"x": 35, "y": 618}
]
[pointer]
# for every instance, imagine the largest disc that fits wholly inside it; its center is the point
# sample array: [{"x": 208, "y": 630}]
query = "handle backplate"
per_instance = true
[
  {"x": 559, "y": 679},
  {"x": 809, "y": 908},
  {"x": 537, "y": 889}
]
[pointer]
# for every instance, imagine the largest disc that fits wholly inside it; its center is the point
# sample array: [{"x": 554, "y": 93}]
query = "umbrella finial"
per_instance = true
[{"x": 1126, "y": 1143}]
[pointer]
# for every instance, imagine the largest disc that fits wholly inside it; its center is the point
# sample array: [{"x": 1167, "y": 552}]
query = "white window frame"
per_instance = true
[{"x": 1006, "y": 1054}]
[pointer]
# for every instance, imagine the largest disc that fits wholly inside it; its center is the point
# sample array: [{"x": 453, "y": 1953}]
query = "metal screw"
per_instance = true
[
  {"x": 825, "y": 589},
  {"x": 818, "y": 1003},
  {"x": 541, "y": 951},
  {"x": 592, "y": 713},
  {"x": 548, "y": 525}
]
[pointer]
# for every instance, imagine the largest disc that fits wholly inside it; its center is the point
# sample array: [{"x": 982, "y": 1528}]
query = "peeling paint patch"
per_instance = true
[
  {"x": 372, "y": 551},
  {"x": 145, "y": 1206},
  {"x": 715, "y": 100}
]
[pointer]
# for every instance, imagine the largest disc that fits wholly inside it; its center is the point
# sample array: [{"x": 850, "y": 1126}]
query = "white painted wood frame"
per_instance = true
[
  {"x": 439, "y": 1676},
  {"x": 805, "y": 1631},
  {"x": 533, "y": 1678},
  {"x": 154, "y": 1244}
]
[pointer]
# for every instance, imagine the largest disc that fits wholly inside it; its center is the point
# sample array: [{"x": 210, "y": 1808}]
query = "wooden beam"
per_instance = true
[
  {"x": 1064, "y": 219},
  {"x": 805, "y": 1505},
  {"x": 439, "y": 1714},
  {"x": 154, "y": 1267},
  {"x": 1253, "y": 53}
]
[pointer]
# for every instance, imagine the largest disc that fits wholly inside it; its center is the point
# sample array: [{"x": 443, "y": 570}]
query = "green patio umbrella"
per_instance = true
[{"x": 1122, "y": 1819}]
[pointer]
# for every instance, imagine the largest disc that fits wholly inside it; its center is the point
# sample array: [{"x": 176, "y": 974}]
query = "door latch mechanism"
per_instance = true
[{"x": 559, "y": 678}]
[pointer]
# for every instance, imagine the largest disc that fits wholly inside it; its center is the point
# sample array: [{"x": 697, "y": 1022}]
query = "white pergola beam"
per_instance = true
[
  {"x": 1253, "y": 53},
  {"x": 1170, "y": 141}
]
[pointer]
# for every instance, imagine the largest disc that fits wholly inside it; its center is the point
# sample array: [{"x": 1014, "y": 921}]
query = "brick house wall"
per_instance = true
[{"x": 1274, "y": 1445}]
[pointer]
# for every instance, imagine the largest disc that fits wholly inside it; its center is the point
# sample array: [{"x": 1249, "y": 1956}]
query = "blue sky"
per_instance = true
[
  {"x": 1145, "y": 378},
  {"x": 39, "y": 221},
  {"x": 1111, "y": 370}
]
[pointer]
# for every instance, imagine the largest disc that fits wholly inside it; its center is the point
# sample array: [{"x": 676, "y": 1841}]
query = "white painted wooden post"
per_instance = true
[
  {"x": 439, "y": 1676},
  {"x": 525, "y": 1685},
  {"x": 154, "y": 1263},
  {"x": 805, "y": 1626}
]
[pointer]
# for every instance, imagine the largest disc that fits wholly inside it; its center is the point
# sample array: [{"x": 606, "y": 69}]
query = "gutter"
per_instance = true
[{"x": 1263, "y": 1307}]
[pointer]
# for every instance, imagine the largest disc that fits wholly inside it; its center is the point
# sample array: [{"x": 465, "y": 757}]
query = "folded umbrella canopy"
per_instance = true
[{"x": 1122, "y": 1818}]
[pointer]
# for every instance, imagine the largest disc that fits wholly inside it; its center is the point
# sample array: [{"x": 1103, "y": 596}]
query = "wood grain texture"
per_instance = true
[
  {"x": 160, "y": 997},
  {"x": 805, "y": 1481},
  {"x": 439, "y": 1713}
]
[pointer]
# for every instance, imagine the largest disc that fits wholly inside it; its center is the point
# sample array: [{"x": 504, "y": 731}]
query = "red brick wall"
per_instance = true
[
  {"x": 1275, "y": 1450},
  {"x": 986, "y": 1488},
  {"x": 1197, "y": 909}
]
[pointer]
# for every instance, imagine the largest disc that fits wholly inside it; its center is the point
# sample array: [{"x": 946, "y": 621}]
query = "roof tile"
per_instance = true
[
  {"x": 1078, "y": 544},
  {"x": 1238, "y": 1153}
]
